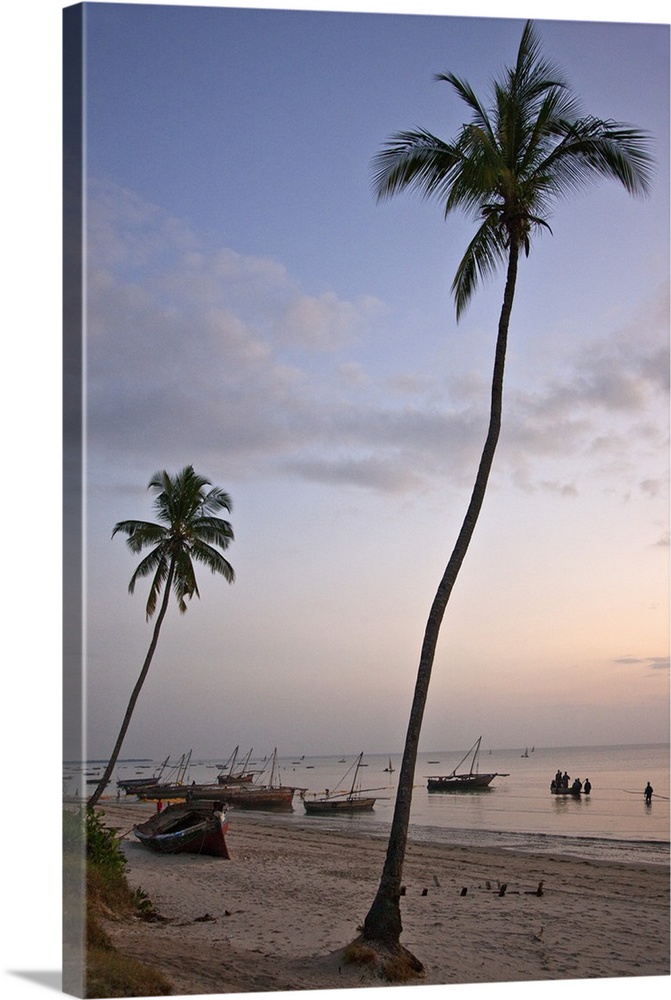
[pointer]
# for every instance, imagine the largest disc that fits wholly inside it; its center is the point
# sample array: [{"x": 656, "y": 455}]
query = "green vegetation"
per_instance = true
[{"x": 107, "y": 972}]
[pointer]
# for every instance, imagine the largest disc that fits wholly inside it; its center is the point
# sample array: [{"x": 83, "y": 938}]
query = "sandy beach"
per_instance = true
[{"x": 275, "y": 916}]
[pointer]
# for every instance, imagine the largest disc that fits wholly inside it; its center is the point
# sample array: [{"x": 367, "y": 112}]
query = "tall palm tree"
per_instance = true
[
  {"x": 505, "y": 169},
  {"x": 188, "y": 531}
]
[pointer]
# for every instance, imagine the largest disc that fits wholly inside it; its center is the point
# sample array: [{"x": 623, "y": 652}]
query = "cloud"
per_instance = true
[
  {"x": 324, "y": 322},
  {"x": 196, "y": 352},
  {"x": 654, "y": 487},
  {"x": 382, "y": 475},
  {"x": 652, "y": 662}
]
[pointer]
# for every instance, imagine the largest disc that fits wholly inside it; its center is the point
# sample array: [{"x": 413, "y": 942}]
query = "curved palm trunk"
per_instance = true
[
  {"x": 136, "y": 691},
  {"x": 383, "y": 922}
]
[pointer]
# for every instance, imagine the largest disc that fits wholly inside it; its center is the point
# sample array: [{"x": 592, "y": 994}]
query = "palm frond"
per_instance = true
[
  {"x": 214, "y": 530},
  {"x": 213, "y": 559},
  {"x": 416, "y": 160},
  {"x": 158, "y": 563},
  {"x": 483, "y": 255},
  {"x": 591, "y": 146},
  {"x": 184, "y": 581},
  {"x": 465, "y": 91},
  {"x": 216, "y": 500},
  {"x": 155, "y": 559},
  {"x": 140, "y": 533}
]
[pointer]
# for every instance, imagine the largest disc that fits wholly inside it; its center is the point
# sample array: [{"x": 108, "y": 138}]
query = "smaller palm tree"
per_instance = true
[{"x": 188, "y": 530}]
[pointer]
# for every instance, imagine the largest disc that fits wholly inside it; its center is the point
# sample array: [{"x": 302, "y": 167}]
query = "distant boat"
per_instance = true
[
  {"x": 526, "y": 753},
  {"x": 243, "y": 796},
  {"x": 133, "y": 785},
  {"x": 274, "y": 795},
  {"x": 155, "y": 788},
  {"x": 465, "y": 781},
  {"x": 389, "y": 769},
  {"x": 342, "y": 802},
  {"x": 228, "y": 776},
  {"x": 180, "y": 829}
]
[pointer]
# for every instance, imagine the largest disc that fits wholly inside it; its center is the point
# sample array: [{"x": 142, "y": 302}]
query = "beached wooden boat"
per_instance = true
[
  {"x": 341, "y": 802},
  {"x": 465, "y": 781},
  {"x": 181, "y": 829}
]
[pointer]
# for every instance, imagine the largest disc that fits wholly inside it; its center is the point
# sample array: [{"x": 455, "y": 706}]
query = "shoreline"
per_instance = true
[
  {"x": 276, "y": 915},
  {"x": 586, "y": 847}
]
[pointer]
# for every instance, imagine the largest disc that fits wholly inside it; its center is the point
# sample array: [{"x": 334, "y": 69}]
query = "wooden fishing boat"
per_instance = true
[
  {"x": 577, "y": 792},
  {"x": 342, "y": 802},
  {"x": 180, "y": 829},
  {"x": 465, "y": 781}
]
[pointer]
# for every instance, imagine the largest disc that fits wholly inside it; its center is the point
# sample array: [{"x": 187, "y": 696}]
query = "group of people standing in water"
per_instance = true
[{"x": 561, "y": 782}]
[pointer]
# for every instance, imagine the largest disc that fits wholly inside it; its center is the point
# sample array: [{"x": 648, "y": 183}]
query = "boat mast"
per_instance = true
[
  {"x": 356, "y": 771},
  {"x": 273, "y": 768},
  {"x": 475, "y": 749}
]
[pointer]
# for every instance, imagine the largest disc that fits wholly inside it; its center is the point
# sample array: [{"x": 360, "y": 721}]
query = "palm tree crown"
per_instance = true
[
  {"x": 189, "y": 531},
  {"x": 509, "y": 164}
]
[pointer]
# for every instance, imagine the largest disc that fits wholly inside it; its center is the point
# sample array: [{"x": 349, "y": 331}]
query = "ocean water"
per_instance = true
[{"x": 515, "y": 812}]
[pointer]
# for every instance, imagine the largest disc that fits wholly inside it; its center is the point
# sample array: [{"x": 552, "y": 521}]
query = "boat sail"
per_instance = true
[{"x": 465, "y": 781}]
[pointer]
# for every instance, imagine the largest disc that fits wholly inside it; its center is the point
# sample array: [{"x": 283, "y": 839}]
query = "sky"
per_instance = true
[
  {"x": 252, "y": 310},
  {"x": 309, "y": 362}
]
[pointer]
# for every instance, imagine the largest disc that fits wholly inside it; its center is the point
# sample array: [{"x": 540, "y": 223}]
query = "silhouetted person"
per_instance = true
[
  {"x": 648, "y": 794},
  {"x": 587, "y": 787}
]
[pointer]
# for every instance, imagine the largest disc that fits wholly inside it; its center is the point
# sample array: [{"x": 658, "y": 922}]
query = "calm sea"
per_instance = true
[{"x": 516, "y": 812}]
